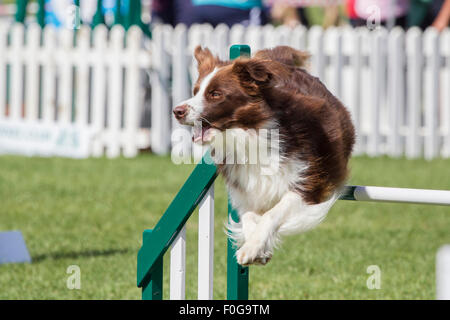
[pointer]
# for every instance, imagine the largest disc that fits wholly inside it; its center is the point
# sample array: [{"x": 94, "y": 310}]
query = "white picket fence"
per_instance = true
[
  {"x": 94, "y": 86},
  {"x": 396, "y": 84}
]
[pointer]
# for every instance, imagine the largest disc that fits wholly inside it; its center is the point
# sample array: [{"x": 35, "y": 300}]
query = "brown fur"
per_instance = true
[{"x": 315, "y": 126}]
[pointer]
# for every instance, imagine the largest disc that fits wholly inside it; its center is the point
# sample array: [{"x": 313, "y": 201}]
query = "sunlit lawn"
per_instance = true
[{"x": 91, "y": 213}]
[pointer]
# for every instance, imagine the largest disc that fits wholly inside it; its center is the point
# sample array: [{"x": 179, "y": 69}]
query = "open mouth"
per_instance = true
[{"x": 201, "y": 133}]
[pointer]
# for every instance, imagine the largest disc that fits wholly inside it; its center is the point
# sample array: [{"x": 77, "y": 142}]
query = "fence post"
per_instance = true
[
  {"x": 445, "y": 85},
  {"x": 115, "y": 92},
  {"x": 333, "y": 48},
  {"x": 431, "y": 93},
  {"x": 160, "y": 105},
  {"x": 237, "y": 276},
  {"x": 414, "y": 60},
  {"x": 377, "y": 69},
  {"x": 298, "y": 38},
  {"x": 316, "y": 47},
  {"x": 99, "y": 84},
  {"x": 16, "y": 75},
  {"x": 133, "y": 103},
  {"x": 65, "y": 85},
  {"x": 32, "y": 47},
  {"x": 180, "y": 87},
  {"x": 82, "y": 75},
  {"x": 396, "y": 91},
  {"x": 49, "y": 47},
  {"x": 153, "y": 288}
]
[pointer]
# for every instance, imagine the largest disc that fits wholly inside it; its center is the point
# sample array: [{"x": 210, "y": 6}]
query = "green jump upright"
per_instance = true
[
  {"x": 158, "y": 240},
  {"x": 237, "y": 275}
]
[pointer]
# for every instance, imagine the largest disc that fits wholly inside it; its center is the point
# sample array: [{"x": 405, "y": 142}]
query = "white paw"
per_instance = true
[{"x": 252, "y": 254}]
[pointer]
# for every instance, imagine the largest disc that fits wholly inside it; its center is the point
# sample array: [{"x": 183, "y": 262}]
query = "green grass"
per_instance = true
[{"x": 91, "y": 213}]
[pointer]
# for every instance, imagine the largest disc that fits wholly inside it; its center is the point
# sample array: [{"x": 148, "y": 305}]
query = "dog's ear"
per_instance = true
[
  {"x": 205, "y": 60},
  {"x": 252, "y": 73}
]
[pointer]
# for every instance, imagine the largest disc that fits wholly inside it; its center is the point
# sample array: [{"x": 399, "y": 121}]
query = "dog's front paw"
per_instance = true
[{"x": 252, "y": 254}]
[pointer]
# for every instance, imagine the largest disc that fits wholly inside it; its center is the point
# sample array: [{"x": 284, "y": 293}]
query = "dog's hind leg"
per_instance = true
[{"x": 258, "y": 247}]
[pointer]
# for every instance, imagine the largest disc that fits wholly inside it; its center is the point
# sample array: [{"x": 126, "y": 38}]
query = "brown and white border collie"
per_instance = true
[{"x": 271, "y": 90}]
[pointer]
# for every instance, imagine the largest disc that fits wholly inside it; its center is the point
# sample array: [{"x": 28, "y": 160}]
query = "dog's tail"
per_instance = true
[{"x": 285, "y": 55}]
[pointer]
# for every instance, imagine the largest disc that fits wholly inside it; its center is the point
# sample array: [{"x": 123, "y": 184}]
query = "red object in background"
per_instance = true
[{"x": 351, "y": 9}]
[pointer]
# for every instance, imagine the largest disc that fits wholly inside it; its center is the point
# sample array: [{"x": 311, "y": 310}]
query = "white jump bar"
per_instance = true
[{"x": 418, "y": 196}]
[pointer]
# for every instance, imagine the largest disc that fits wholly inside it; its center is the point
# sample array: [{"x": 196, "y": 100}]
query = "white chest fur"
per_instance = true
[
  {"x": 256, "y": 185},
  {"x": 252, "y": 190}
]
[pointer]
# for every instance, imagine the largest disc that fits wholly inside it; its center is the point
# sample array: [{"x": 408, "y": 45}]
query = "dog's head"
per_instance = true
[{"x": 226, "y": 95}]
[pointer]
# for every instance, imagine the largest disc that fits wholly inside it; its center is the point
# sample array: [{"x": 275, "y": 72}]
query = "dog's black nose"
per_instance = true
[{"x": 180, "y": 111}]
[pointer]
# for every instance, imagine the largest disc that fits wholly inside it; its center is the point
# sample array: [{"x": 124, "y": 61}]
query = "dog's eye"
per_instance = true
[{"x": 215, "y": 94}]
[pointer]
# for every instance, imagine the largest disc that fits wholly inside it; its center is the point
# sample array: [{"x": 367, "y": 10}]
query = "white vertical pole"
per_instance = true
[
  {"x": 237, "y": 34},
  {"x": 206, "y": 246},
  {"x": 355, "y": 52},
  {"x": 365, "y": 37},
  {"x": 298, "y": 37},
  {"x": 115, "y": 91},
  {"x": 178, "y": 267},
  {"x": 194, "y": 39},
  {"x": 396, "y": 64},
  {"x": 181, "y": 88},
  {"x": 445, "y": 89},
  {"x": 64, "y": 103},
  {"x": 315, "y": 46},
  {"x": 414, "y": 91},
  {"x": 82, "y": 75},
  {"x": 333, "y": 48},
  {"x": 269, "y": 37},
  {"x": 161, "y": 116},
  {"x": 49, "y": 75},
  {"x": 220, "y": 38},
  {"x": 254, "y": 37},
  {"x": 4, "y": 52},
  {"x": 132, "y": 92},
  {"x": 281, "y": 36},
  {"x": 443, "y": 273},
  {"x": 32, "y": 72},
  {"x": 377, "y": 65},
  {"x": 17, "y": 41},
  {"x": 431, "y": 91},
  {"x": 100, "y": 56},
  {"x": 207, "y": 36}
]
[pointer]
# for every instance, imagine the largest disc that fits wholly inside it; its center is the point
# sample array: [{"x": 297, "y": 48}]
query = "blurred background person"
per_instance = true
[
  {"x": 371, "y": 13},
  {"x": 425, "y": 13},
  {"x": 282, "y": 13},
  {"x": 307, "y": 13},
  {"x": 442, "y": 19},
  {"x": 229, "y": 12}
]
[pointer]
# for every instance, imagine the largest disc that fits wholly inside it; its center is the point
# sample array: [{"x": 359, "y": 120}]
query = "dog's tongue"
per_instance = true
[
  {"x": 200, "y": 134},
  {"x": 199, "y": 131}
]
